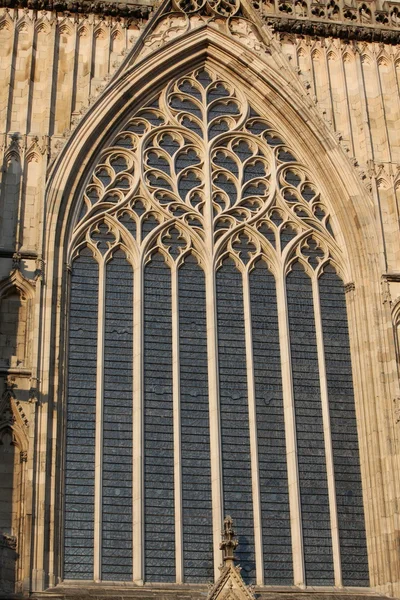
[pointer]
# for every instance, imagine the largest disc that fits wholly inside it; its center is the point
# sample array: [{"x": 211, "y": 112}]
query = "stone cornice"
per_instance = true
[
  {"x": 360, "y": 33},
  {"x": 349, "y": 23},
  {"x": 358, "y": 20},
  {"x": 115, "y": 9}
]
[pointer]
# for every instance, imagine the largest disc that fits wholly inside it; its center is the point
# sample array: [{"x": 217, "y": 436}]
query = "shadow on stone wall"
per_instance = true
[{"x": 8, "y": 557}]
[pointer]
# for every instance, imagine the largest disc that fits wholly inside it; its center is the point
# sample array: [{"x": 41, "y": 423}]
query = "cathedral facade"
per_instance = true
[{"x": 200, "y": 298}]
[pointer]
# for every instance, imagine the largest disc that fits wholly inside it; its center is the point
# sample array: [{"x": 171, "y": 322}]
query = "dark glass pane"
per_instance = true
[
  {"x": 195, "y": 428},
  {"x": 158, "y": 424},
  {"x": 236, "y": 464},
  {"x": 277, "y": 544},
  {"x": 344, "y": 430},
  {"x": 309, "y": 430},
  {"x": 117, "y": 421},
  {"x": 81, "y": 417}
]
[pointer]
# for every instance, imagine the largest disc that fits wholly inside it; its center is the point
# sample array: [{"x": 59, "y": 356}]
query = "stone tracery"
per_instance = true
[
  {"x": 199, "y": 154},
  {"x": 194, "y": 184}
]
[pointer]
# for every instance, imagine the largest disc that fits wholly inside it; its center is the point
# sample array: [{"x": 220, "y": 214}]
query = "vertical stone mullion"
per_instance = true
[
  {"x": 177, "y": 426},
  {"x": 213, "y": 371},
  {"x": 98, "y": 484},
  {"x": 348, "y": 110},
  {"x": 137, "y": 407},
  {"x": 327, "y": 435},
  {"x": 290, "y": 433},
  {"x": 255, "y": 477},
  {"x": 215, "y": 425}
]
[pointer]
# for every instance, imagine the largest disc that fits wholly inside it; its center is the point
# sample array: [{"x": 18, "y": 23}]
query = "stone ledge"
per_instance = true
[
  {"x": 116, "y": 9},
  {"x": 192, "y": 592},
  {"x": 342, "y": 31}
]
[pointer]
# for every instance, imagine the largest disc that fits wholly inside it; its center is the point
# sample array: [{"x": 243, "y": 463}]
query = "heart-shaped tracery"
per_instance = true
[{"x": 200, "y": 154}]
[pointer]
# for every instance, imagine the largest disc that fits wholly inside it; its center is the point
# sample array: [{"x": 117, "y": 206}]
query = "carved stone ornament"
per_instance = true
[
  {"x": 12, "y": 413},
  {"x": 8, "y": 541},
  {"x": 221, "y": 8},
  {"x": 230, "y": 585}
]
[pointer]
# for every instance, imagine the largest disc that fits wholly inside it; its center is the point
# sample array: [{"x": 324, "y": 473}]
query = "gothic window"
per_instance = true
[{"x": 209, "y": 367}]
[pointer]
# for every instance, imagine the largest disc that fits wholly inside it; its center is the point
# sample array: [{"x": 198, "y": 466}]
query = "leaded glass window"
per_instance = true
[{"x": 209, "y": 367}]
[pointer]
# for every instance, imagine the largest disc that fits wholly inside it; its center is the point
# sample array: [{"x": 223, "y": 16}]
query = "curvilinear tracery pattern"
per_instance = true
[{"x": 199, "y": 155}]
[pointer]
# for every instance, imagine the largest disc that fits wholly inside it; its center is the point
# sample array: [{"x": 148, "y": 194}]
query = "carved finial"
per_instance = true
[
  {"x": 229, "y": 542},
  {"x": 16, "y": 265},
  {"x": 10, "y": 386},
  {"x": 230, "y": 585}
]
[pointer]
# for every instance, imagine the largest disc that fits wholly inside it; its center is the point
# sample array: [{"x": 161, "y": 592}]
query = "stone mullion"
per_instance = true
[
  {"x": 11, "y": 77},
  {"x": 48, "y": 100},
  {"x": 25, "y": 125},
  {"x": 109, "y": 66},
  {"x": 177, "y": 426},
  {"x": 212, "y": 357},
  {"x": 91, "y": 54},
  {"x": 98, "y": 474},
  {"x": 255, "y": 475},
  {"x": 21, "y": 541},
  {"x": 348, "y": 111},
  {"x": 38, "y": 574},
  {"x": 290, "y": 434},
  {"x": 75, "y": 70},
  {"x": 330, "y": 470},
  {"x": 364, "y": 107},
  {"x": 378, "y": 76},
  {"x": 137, "y": 446},
  {"x": 19, "y": 225},
  {"x": 330, "y": 99}
]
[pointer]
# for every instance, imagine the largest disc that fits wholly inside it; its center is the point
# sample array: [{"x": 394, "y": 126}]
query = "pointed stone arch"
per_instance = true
[
  {"x": 285, "y": 99},
  {"x": 16, "y": 300}
]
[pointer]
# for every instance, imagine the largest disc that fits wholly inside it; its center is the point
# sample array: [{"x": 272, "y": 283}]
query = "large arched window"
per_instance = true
[{"x": 209, "y": 366}]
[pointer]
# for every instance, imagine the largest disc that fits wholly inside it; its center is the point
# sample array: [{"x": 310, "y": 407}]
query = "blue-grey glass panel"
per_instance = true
[
  {"x": 158, "y": 424},
  {"x": 275, "y": 514},
  {"x": 344, "y": 430},
  {"x": 195, "y": 427},
  {"x": 236, "y": 465},
  {"x": 309, "y": 429},
  {"x": 81, "y": 416},
  {"x": 117, "y": 421}
]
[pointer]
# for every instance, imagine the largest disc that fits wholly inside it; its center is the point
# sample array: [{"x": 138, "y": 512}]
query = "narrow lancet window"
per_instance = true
[
  {"x": 159, "y": 528},
  {"x": 235, "y": 436},
  {"x": 315, "y": 514},
  {"x": 195, "y": 426},
  {"x": 277, "y": 545},
  {"x": 81, "y": 419},
  {"x": 117, "y": 421}
]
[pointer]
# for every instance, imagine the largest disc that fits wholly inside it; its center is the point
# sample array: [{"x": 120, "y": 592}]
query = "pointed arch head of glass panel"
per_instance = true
[{"x": 198, "y": 162}]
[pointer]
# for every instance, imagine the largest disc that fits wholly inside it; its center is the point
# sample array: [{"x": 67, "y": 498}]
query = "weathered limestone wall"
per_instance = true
[{"x": 356, "y": 87}]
